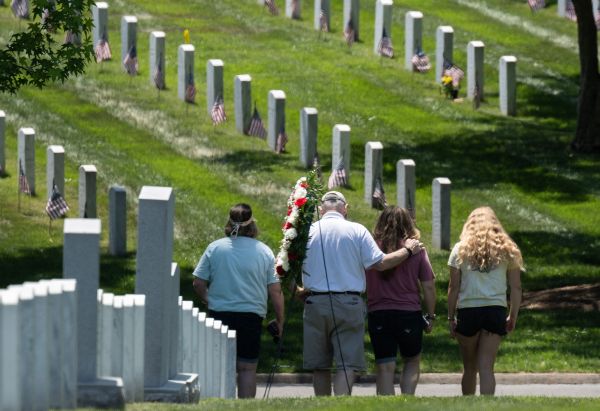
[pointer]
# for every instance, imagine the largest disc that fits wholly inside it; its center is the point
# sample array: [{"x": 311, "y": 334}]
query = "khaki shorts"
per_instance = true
[{"x": 320, "y": 341}]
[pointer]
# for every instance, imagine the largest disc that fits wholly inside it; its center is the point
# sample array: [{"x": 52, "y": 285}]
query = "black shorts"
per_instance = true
[
  {"x": 393, "y": 330},
  {"x": 248, "y": 327},
  {"x": 469, "y": 321}
]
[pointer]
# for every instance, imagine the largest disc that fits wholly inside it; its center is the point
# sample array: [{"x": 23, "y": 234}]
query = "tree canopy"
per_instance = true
[{"x": 55, "y": 45}]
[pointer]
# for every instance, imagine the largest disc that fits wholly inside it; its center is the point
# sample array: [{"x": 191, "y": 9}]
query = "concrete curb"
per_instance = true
[{"x": 453, "y": 378}]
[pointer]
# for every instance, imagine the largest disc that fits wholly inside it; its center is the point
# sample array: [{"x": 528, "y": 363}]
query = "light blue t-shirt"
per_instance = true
[{"x": 238, "y": 271}]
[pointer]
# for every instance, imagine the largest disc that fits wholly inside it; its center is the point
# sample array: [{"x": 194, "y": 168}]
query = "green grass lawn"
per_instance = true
[{"x": 547, "y": 198}]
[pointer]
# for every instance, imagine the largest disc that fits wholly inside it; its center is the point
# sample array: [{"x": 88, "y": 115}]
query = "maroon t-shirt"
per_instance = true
[{"x": 401, "y": 290}]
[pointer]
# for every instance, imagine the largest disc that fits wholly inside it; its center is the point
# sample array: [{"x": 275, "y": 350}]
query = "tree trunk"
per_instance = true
[{"x": 587, "y": 134}]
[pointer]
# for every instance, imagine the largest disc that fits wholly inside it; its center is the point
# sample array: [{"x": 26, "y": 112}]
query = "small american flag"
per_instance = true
[
  {"x": 57, "y": 206},
  {"x": 476, "y": 97},
  {"x": 385, "y": 45},
  {"x": 349, "y": 33},
  {"x": 158, "y": 77},
  {"x": 257, "y": 128},
  {"x": 338, "y": 177},
  {"x": 23, "y": 183},
  {"x": 190, "y": 90},
  {"x": 47, "y": 17},
  {"x": 420, "y": 62},
  {"x": 131, "y": 62},
  {"x": 20, "y": 8},
  {"x": 270, "y": 4},
  {"x": 317, "y": 166},
  {"x": 379, "y": 200},
  {"x": 570, "y": 11},
  {"x": 70, "y": 38},
  {"x": 103, "y": 50},
  {"x": 452, "y": 70},
  {"x": 536, "y": 5},
  {"x": 323, "y": 21},
  {"x": 217, "y": 113},
  {"x": 281, "y": 141}
]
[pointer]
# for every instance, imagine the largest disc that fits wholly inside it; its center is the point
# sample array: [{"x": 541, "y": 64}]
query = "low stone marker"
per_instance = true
[
  {"x": 207, "y": 389},
  {"x": 444, "y": 45},
  {"x": 214, "y": 83},
  {"x": 173, "y": 303},
  {"x": 185, "y": 68},
  {"x": 475, "y": 78},
  {"x": 440, "y": 199},
  {"x": 383, "y": 21},
  {"x": 202, "y": 355},
  {"x": 100, "y": 20},
  {"x": 156, "y": 69},
  {"x": 276, "y": 116},
  {"x": 2, "y": 142},
  {"x": 405, "y": 185},
  {"x": 352, "y": 13},
  {"x": 26, "y": 156},
  {"x": 508, "y": 85},
  {"x": 373, "y": 168},
  {"x": 55, "y": 170},
  {"x": 413, "y": 43},
  {"x": 242, "y": 99},
  {"x": 309, "y": 118},
  {"x": 117, "y": 220},
  {"x": 81, "y": 261},
  {"x": 87, "y": 191},
  {"x": 128, "y": 35}
]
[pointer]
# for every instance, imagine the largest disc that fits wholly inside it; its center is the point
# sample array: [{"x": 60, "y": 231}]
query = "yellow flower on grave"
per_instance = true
[
  {"x": 446, "y": 80},
  {"x": 186, "y": 36}
]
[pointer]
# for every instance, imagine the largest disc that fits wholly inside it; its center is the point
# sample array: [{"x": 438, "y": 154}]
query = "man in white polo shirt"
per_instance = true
[{"x": 333, "y": 277}]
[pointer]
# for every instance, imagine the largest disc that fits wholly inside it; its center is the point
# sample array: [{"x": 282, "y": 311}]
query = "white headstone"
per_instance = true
[
  {"x": 373, "y": 168},
  {"x": 106, "y": 320},
  {"x": 173, "y": 309},
  {"x": 68, "y": 342},
  {"x": 128, "y": 35},
  {"x": 117, "y": 220},
  {"x": 202, "y": 351},
  {"x": 440, "y": 198},
  {"x": 413, "y": 43},
  {"x": 293, "y": 9},
  {"x": 276, "y": 116},
  {"x": 444, "y": 44},
  {"x": 157, "y": 68},
  {"x": 475, "y": 78},
  {"x": 242, "y": 98},
  {"x": 352, "y": 12},
  {"x": 10, "y": 351},
  {"x": 309, "y": 118},
  {"x": 81, "y": 261},
  {"x": 325, "y": 7},
  {"x": 508, "y": 85},
  {"x": 341, "y": 148},
  {"x": 87, "y": 191},
  {"x": 154, "y": 259},
  {"x": 100, "y": 20},
  {"x": 216, "y": 353},
  {"x": 26, "y": 156},
  {"x": 214, "y": 82},
  {"x": 405, "y": 185},
  {"x": 185, "y": 69},
  {"x": 55, "y": 170},
  {"x": 209, "y": 379},
  {"x": 230, "y": 383},
  {"x": 186, "y": 332},
  {"x": 223, "y": 357},
  {"x": 383, "y": 21}
]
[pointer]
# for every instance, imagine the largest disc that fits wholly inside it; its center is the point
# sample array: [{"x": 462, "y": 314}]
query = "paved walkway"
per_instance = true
[{"x": 448, "y": 385}]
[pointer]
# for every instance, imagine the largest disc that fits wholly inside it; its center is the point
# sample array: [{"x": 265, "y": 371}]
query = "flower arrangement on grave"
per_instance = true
[
  {"x": 447, "y": 85},
  {"x": 301, "y": 208}
]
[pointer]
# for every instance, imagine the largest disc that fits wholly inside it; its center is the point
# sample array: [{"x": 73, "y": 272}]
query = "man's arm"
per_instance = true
[
  {"x": 201, "y": 288},
  {"x": 391, "y": 260},
  {"x": 276, "y": 296}
]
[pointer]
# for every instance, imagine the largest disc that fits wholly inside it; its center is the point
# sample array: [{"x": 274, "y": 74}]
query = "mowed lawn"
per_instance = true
[{"x": 547, "y": 197}]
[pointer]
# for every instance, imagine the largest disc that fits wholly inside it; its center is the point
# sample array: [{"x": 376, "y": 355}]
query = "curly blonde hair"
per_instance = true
[{"x": 484, "y": 243}]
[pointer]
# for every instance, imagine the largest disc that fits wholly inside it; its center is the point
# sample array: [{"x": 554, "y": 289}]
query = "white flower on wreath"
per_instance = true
[
  {"x": 300, "y": 193},
  {"x": 291, "y": 233},
  {"x": 294, "y": 215}
]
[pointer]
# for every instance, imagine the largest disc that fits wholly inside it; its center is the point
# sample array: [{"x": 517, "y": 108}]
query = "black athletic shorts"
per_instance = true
[
  {"x": 248, "y": 327},
  {"x": 393, "y": 330},
  {"x": 469, "y": 321}
]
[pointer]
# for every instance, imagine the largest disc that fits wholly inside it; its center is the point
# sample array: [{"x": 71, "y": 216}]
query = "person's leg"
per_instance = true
[
  {"x": 385, "y": 378},
  {"x": 246, "y": 379},
  {"x": 468, "y": 352},
  {"x": 410, "y": 374},
  {"x": 343, "y": 382},
  {"x": 486, "y": 357},
  {"x": 322, "y": 382}
]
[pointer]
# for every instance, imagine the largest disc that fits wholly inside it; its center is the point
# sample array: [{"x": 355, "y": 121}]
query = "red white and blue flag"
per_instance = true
[
  {"x": 379, "y": 200},
  {"x": 130, "y": 62},
  {"x": 217, "y": 113},
  {"x": 386, "y": 49},
  {"x": 281, "y": 141},
  {"x": 338, "y": 177},
  {"x": 270, "y": 4},
  {"x": 56, "y": 206},
  {"x": 190, "y": 89},
  {"x": 257, "y": 127},
  {"x": 23, "y": 183},
  {"x": 103, "y": 49}
]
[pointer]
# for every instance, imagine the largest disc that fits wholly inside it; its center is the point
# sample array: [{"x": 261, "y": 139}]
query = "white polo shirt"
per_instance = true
[{"x": 349, "y": 249}]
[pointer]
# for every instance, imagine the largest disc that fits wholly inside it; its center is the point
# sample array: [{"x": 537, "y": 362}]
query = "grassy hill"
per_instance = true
[{"x": 547, "y": 198}]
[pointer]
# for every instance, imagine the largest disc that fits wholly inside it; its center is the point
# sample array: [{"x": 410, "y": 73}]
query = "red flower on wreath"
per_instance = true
[
  {"x": 287, "y": 225},
  {"x": 301, "y": 201}
]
